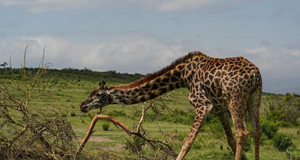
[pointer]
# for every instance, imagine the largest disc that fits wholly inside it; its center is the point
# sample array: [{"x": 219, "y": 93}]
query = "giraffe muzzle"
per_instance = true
[{"x": 84, "y": 108}]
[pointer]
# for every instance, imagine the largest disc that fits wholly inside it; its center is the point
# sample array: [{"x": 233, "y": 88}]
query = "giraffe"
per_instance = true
[{"x": 219, "y": 86}]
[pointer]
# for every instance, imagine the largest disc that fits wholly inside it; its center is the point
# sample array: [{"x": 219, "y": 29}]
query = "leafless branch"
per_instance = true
[{"x": 154, "y": 143}]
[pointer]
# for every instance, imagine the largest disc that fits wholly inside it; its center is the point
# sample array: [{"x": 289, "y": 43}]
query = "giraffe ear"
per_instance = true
[{"x": 101, "y": 85}]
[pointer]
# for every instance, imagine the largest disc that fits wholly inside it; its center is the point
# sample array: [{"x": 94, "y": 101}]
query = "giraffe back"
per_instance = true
[{"x": 215, "y": 80}]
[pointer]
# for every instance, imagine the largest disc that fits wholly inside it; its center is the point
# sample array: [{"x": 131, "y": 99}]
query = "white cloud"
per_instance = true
[
  {"x": 276, "y": 62},
  {"x": 295, "y": 52},
  {"x": 15, "y": 49},
  {"x": 141, "y": 55}
]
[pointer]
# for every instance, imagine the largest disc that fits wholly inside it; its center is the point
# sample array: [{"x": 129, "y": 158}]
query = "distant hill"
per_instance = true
[{"x": 281, "y": 86}]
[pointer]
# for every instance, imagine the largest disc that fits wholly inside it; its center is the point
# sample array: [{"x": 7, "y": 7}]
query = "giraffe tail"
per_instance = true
[{"x": 255, "y": 80}]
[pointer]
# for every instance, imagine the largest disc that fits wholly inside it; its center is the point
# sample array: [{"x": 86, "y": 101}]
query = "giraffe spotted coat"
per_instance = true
[{"x": 219, "y": 86}]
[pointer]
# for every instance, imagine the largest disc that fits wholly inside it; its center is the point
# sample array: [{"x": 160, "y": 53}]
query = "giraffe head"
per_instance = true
[{"x": 97, "y": 99}]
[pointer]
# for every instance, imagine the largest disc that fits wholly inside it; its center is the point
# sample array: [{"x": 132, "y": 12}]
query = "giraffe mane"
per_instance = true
[{"x": 158, "y": 73}]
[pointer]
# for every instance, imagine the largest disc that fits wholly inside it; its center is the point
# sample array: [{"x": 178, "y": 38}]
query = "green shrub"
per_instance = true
[
  {"x": 73, "y": 114},
  {"x": 283, "y": 110},
  {"x": 281, "y": 141},
  {"x": 278, "y": 116},
  {"x": 105, "y": 126},
  {"x": 269, "y": 128}
]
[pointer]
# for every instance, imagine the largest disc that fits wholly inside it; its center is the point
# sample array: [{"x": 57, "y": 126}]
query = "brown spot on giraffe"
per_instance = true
[{"x": 215, "y": 85}]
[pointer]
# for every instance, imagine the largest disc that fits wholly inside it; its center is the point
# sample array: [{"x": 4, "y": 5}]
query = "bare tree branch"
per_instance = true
[
  {"x": 154, "y": 143},
  {"x": 91, "y": 129}
]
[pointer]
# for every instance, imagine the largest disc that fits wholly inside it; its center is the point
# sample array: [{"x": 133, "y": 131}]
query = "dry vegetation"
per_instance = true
[{"x": 28, "y": 131}]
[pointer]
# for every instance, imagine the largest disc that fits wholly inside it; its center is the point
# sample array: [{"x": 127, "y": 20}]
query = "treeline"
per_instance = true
[{"x": 74, "y": 74}]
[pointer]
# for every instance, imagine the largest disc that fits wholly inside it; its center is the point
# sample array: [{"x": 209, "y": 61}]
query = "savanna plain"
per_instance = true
[{"x": 40, "y": 119}]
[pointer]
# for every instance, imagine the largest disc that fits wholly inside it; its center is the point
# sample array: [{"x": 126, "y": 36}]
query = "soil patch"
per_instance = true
[{"x": 96, "y": 139}]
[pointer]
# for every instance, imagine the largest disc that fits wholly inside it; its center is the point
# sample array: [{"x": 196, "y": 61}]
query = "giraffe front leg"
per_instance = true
[{"x": 198, "y": 122}]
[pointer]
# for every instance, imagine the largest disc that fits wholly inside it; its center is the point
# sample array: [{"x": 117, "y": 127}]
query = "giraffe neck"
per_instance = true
[
  {"x": 179, "y": 74},
  {"x": 149, "y": 90}
]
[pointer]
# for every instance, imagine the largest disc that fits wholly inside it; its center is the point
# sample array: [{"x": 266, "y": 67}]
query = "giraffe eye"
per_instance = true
[{"x": 98, "y": 94}]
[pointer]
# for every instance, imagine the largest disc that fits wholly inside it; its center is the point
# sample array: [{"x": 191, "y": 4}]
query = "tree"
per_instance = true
[{"x": 3, "y": 65}]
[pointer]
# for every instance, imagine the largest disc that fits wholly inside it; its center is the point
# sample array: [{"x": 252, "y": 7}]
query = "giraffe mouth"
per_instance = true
[{"x": 84, "y": 109}]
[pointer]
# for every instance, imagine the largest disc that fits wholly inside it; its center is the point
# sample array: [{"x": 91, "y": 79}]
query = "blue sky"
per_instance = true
[{"x": 143, "y": 36}]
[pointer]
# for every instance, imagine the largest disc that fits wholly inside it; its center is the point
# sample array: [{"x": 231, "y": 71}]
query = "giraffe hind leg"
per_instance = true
[
  {"x": 253, "y": 105},
  {"x": 225, "y": 120},
  {"x": 237, "y": 110}
]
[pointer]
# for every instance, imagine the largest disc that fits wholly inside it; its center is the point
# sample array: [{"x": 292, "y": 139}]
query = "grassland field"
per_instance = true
[{"x": 73, "y": 86}]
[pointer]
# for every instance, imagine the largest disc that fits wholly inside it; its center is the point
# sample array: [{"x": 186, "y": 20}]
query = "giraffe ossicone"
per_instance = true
[{"x": 215, "y": 85}]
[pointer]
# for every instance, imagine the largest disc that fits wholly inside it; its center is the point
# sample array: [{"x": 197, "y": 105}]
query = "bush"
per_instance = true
[
  {"x": 282, "y": 141},
  {"x": 269, "y": 128},
  {"x": 283, "y": 110},
  {"x": 278, "y": 116},
  {"x": 105, "y": 126},
  {"x": 73, "y": 114}
]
